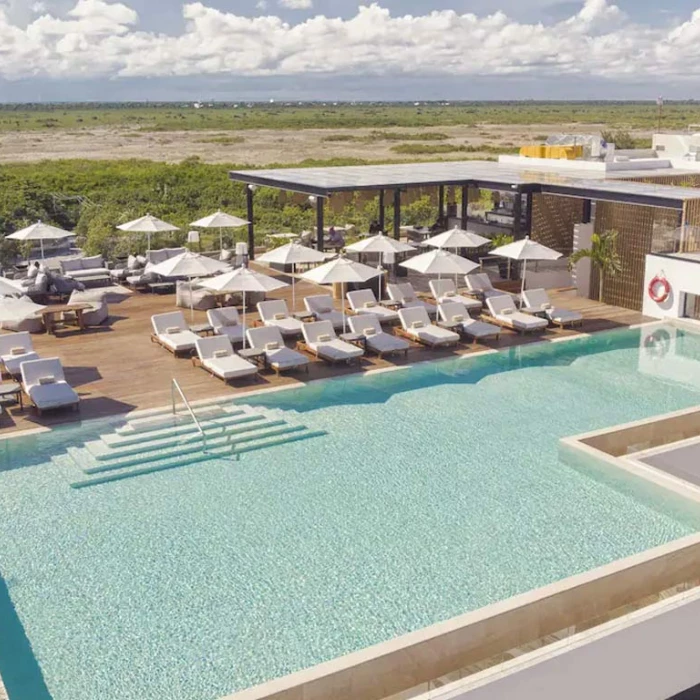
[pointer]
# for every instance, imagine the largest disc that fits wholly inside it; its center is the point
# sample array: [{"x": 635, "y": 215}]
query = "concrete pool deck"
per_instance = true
[{"x": 116, "y": 369}]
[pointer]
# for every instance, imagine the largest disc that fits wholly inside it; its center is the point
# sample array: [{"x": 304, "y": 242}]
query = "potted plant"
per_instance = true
[
  {"x": 603, "y": 256},
  {"x": 497, "y": 241}
]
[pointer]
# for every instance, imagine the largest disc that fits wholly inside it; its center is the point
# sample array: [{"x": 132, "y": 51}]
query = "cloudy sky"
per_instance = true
[{"x": 340, "y": 49}]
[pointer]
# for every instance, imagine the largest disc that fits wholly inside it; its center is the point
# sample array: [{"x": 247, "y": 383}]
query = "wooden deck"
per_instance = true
[{"x": 116, "y": 368}]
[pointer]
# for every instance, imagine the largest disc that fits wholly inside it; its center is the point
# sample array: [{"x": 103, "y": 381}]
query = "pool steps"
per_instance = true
[{"x": 165, "y": 441}]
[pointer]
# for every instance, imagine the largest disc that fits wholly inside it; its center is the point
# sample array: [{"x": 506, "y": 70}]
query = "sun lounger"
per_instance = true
[
  {"x": 502, "y": 309},
  {"x": 45, "y": 384},
  {"x": 277, "y": 354},
  {"x": 405, "y": 295},
  {"x": 216, "y": 355},
  {"x": 479, "y": 283},
  {"x": 456, "y": 315},
  {"x": 363, "y": 301},
  {"x": 321, "y": 340},
  {"x": 321, "y": 307},
  {"x": 227, "y": 322},
  {"x": 446, "y": 291},
  {"x": 275, "y": 313},
  {"x": 538, "y": 300},
  {"x": 16, "y": 348},
  {"x": 172, "y": 332},
  {"x": 417, "y": 326},
  {"x": 377, "y": 340}
]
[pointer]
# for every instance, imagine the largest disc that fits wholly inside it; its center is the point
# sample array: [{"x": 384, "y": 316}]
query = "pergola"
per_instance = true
[{"x": 321, "y": 183}]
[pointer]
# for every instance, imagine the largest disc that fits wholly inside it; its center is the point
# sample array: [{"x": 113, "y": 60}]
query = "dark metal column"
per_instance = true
[
  {"x": 465, "y": 205},
  {"x": 397, "y": 214},
  {"x": 382, "y": 212},
  {"x": 441, "y": 201},
  {"x": 319, "y": 222},
  {"x": 528, "y": 214},
  {"x": 517, "y": 215},
  {"x": 249, "y": 194},
  {"x": 587, "y": 209}
]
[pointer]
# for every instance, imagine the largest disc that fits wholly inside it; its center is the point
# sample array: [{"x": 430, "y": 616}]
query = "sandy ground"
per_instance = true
[{"x": 259, "y": 147}]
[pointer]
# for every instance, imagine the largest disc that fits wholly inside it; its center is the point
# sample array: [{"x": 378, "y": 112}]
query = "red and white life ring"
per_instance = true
[{"x": 659, "y": 289}]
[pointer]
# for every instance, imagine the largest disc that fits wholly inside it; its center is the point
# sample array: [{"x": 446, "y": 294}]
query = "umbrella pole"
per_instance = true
[
  {"x": 245, "y": 326},
  {"x": 189, "y": 281},
  {"x": 221, "y": 239},
  {"x": 522, "y": 286},
  {"x": 41, "y": 244},
  {"x": 381, "y": 276},
  {"x": 294, "y": 293}
]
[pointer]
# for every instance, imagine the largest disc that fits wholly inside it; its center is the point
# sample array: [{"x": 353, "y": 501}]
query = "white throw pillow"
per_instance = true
[
  {"x": 370, "y": 304},
  {"x": 450, "y": 294},
  {"x": 279, "y": 317},
  {"x": 17, "y": 351},
  {"x": 47, "y": 380},
  {"x": 409, "y": 299},
  {"x": 272, "y": 346},
  {"x": 369, "y": 331},
  {"x": 458, "y": 318},
  {"x": 506, "y": 312},
  {"x": 324, "y": 338},
  {"x": 546, "y": 307},
  {"x": 220, "y": 353},
  {"x": 417, "y": 324},
  {"x": 171, "y": 330}
]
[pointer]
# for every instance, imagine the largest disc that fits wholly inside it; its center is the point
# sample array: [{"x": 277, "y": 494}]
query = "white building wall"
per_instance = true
[
  {"x": 682, "y": 275},
  {"x": 581, "y": 274}
]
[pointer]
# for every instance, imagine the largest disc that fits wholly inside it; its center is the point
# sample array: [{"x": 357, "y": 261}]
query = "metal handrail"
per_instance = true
[{"x": 176, "y": 386}]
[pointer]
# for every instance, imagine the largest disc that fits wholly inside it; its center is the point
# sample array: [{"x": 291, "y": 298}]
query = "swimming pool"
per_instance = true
[{"x": 437, "y": 489}]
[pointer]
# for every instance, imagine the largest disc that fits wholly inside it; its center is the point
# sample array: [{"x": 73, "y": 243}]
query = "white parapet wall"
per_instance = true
[
  {"x": 646, "y": 655},
  {"x": 683, "y": 276}
]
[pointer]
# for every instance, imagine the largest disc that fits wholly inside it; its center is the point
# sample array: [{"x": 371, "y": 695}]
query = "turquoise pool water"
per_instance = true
[{"x": 437, "y": 490}]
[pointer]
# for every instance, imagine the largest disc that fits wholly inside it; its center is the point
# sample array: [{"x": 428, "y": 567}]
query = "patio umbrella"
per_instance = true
[
  {"x": 39, "y": 232},
  {"x": 526, "y": 250},
  {"x": 16, "y": 310},
  {"x": 440, "y": 262},
  {"x": 243, "y": 279},
  {"x": 189, "y": 265},
  {"x": 147, "y": 224},
  {"x": 293, "y": 254},
  {"x": 457, "y": 238},
  {"x": 220, "y": 220},
  {"x": 341, "y": 270},
  {"x": 380, "y": 244}
]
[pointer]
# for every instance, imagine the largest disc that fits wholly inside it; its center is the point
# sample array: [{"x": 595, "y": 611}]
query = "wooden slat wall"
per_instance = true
[{"x": 553, "y": 220}]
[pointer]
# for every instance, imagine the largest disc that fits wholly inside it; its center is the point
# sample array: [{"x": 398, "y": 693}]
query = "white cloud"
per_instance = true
[
  {"x": 296, "y": 4},
  {"x": 261, "y": 5},
  {"x": 102, "y": 38}
]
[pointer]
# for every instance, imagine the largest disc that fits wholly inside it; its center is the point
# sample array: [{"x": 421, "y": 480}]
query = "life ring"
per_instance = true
[
  {"x": 658, "y": 343},
  {"x": 659, "y": 289}
]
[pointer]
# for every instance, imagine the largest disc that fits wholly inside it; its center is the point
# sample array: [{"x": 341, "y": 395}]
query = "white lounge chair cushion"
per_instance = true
[
  {"x": 179, "y": 341},
  {"x": 479, "y": 329},
  {"x": 324, "y": 309},
  {"x": 338, "y": 350},
  {"x": 285, "y": 358},
  {"x": 434, "y": 335},
  {"x": 287, "y": 326},
  {"x": 564, "y": 315},
  {"x": 230, "y": 367},
  {"x": 12, "y": 362},
  {"x": 233, "y": 333},
  {"x": 384, "y": 342},
  {"x": 53, "y": 395},
  {"x": 229, "y": 322}
]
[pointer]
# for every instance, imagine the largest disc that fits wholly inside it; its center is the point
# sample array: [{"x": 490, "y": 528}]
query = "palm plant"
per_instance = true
[{"x": 603, "y": 256}]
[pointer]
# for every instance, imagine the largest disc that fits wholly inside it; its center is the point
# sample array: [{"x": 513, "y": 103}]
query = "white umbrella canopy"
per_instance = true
[
  {"x": 220, "y": 220},
  {"x": 440, "y": 262},
  {"x": 148, "y": 224},
  {"x": 525, "y": 250},
  {"x": 341, "y": 270},
  {"x": 457, "y": 238},
  {"x": 39, "y": 232},
  {"x": 380, "y": 244},
  {"x": 16, "y": 310},
  {"x": 293, "y": 254},
  {"x": 189, "y": 264},
  {"x": 244, "y": 280}
]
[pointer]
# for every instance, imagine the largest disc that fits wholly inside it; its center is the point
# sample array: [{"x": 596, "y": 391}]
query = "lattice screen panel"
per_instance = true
[{"x": 553, "y": 220}]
